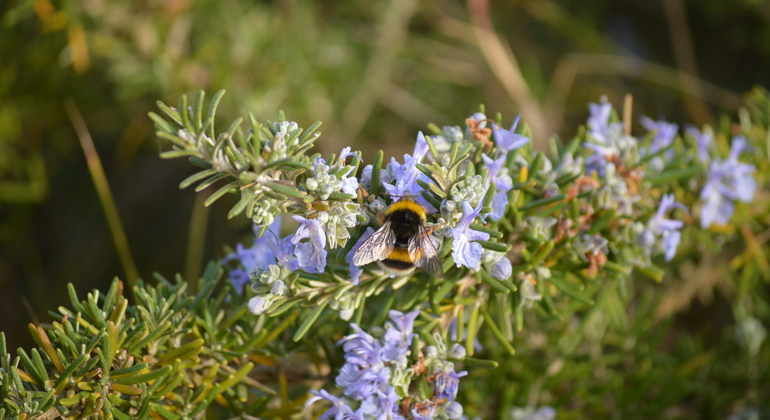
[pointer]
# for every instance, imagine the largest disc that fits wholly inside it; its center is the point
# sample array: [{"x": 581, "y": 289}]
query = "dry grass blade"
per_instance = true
[
  {"x": 505, "y": 67},
  {"x": 103, "y": 189}
]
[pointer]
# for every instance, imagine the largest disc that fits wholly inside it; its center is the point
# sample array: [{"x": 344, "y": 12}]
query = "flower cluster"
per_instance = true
[
  {"x": 512, "y": 227},
  {"x": 506, "y": 220},
  {"x": 727, "y": 181},
  {"x": 270, "y": 261},
  {"x": 380, "y": 376},
  {"x": 622, "y": 161}
]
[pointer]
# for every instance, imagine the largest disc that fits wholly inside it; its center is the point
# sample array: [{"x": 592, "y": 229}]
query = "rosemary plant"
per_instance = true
[{"x": 516, "y": 229}]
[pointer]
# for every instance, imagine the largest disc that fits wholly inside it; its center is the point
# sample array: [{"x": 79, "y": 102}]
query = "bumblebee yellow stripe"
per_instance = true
[
  {"x": 406, "y": 205},
  {"x": 400, "y": 254}
]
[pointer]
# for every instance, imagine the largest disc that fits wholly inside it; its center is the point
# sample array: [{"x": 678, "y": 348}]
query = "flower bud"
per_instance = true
[
  {"x": 457, "y": 351},
  {"x": 502, "y": 269},
  {"x": 279, "y": 288},
  {"x": 453, "y": 410},
  {"x": 259, "y": 304},
  {"x": 431, "y": 352}
]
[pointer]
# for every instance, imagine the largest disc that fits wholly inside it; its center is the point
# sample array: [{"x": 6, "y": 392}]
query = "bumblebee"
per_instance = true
[{"x": 402, "y": 243}]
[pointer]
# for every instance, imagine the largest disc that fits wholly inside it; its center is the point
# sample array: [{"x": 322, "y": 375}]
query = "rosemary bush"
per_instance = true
[{"x": 545, "y": 256}]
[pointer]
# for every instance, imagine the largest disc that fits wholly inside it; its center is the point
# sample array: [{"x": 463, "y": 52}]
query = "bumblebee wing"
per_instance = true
[
  {"x": 377, "y": 247},
  {"x": 433, "y": 266},
  {"x": 415, "y": 246},
  {"x": 429, "y": 259}
]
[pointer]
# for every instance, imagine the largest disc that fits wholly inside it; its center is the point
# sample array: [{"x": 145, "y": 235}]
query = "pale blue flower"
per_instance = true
[
  {"x": 338, "y": 410},
  {"x": 670, "y": 242},
  {"x": 667, "y": 229},
  {"x": 405, "y": 175},
  {"x": 355, "y": 271},
  {"x": 311, "y": 255},
  {"x": 383, "y": 405},
  {"x": 399, "y": 336},
  {"x": 498, "y": 177},
  {"x": 464, "y": 251},
  {"x": 664, "y": 132},
  {"x": 346, "y": 152},
  {"x": 363, "y": 373},
  {"x": 728, "y": 181},
  {"x": 499, "y": 204},
  {"x": 284, "y": 252},
  {"x": 659, "y": 223},
  {"x": 507, "y": 140},
  {"x": 600, "y": 128},
  {"x": 446, "y": 382},
  {"x": 427, "y": 410},
  {"x": 258, "y": 256},
  {"x": 366, "y": 177},
  {"x": 349, "y": 185},
  {"x": 597, "y": 161},
  {"x": 702, "y": 141},
  {"x": 375, "y": 369},
  {"x": 598, "y": 120},
  {"x": 361, "y": 382}
]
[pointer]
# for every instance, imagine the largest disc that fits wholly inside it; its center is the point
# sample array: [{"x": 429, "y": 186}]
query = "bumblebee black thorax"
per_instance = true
[{"x": 404, "y": 224}]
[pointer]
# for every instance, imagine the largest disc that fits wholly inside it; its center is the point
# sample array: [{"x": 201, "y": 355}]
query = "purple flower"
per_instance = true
[
  {"x": 502, "y": 269},
  {"x": 356, "y": 415},
  {"x": 362, "y": 382},
  {"x": 702, "y": 141},
  {"x": 507, "y": 140},
  {"x": 659, "y": 223},
  {"x": 599, "y": 116},
  {"x": 311, "y": 255},
  {"x": 664, "y": 132},
  {"x": 499, "y": 204},
  {"x": 284, "y": 253},
  {"x": 363, "y": 373},
  {"x": 502, "y": 183},
  {"x": 599, "y": 126},
  {"x": 355, "y": 271},
  {"x": 668, "y": 229},
  {"x": 406, "y": 175},
  {"x": 728, "y": 180},
  {"x": 339, "y": 409},
  {"x": 382, "y": 405},
  {"x": 425, "y": 411},
  {"x": 258, "y": 256},
  {"x": 349, "y": 185},
  {"x": 464, "y": 251},
  {"x": 445, "y": 383},
  {"x": 346, "y": 152},
  {"x": 597, "y": 161},
  {"x": 404, "y": 321},
  {"x": 398, "y": 338}
]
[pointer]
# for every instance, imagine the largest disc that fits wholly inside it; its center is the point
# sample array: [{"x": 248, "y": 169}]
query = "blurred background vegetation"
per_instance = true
[{"x": 374, "y": 72}]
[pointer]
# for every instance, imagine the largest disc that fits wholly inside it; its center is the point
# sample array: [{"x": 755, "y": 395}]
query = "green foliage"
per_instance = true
[
  {"x": 609, "y": 345},
  {"x": 169, "y": 356}
]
